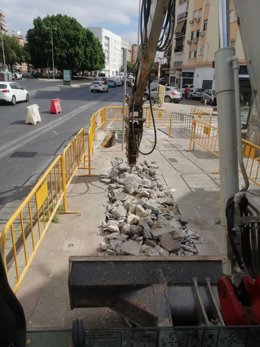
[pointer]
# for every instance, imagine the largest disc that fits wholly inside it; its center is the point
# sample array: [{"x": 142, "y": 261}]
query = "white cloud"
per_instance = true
[{"x": 20, "y": 14}]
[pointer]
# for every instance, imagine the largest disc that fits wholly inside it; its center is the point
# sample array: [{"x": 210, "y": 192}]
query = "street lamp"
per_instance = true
[
  {"x": 2, "y": 43},
  {"x": 52, "y": 52}
]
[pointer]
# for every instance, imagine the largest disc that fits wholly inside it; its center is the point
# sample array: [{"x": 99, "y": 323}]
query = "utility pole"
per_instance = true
[{"x": 2, "y": 43}]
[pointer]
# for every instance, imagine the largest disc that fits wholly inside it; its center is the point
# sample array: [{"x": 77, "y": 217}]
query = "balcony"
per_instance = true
[{"x": 182, "y": 16}]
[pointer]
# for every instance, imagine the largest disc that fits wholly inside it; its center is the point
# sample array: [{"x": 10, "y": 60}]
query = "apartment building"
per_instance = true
[
  {"x": 196, "y": 41},
  {"x": 111, "y": 44}
]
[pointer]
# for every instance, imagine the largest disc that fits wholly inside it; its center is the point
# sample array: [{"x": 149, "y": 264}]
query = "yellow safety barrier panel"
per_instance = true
[
  {"x": 73, "y": 155},
  {"x": 252, "y": 161},
  {"x": 204, "y": 135},
  {"x": 23, "y": 233}
]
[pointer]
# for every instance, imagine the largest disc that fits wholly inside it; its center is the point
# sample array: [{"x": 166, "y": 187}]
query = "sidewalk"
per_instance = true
[{"x": 44, "y": 292}]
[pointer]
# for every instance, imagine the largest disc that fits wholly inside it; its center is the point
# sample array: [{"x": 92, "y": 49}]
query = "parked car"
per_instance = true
[
  {"x": 195, "y": 93},
  {"x": 172, "y": 94},
  {"x": 111, "y": 83},
  {"x": 13, "y": 92},
  {"x": 98, "y": 86},
  {"x": 17, "y": 75},
  {"x": 37, "y": 74},
  {"x": 209, "y": 97},
  {"x": 153, "y": 91}
]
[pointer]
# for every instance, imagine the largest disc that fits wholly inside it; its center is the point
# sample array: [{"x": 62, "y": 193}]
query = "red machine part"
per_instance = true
[{"x": 240, "y": 306}]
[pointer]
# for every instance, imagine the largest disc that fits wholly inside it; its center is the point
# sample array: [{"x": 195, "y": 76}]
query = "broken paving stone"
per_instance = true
[
  {"x": 153, "y": 253},
  {"x": 140, "y": 211},
  {"x": 152, "y": 205},
  {"x": 140, "y": 195},
  {"x": 123, "y": 167},
  {"x": 133, "y": 218},
  {"x": 189, "y": 249},
  {"x": 150, "y": 243},
  {"x": 131, "y": 184},
  {"x": 159, "y": 232},
  {"x": 119, "y": 212},
  {"x": 105, "y": 180},
  {"x": 168, "y": 242},
  {"x": 163, "y": 252},
  {"x": 130, "y": 247},
  {"x": 119, "y": 195},
  {"x": 146, "y": 229},
  {"x": 135, "y": 229},
  {"x": 113, "y": 228}
]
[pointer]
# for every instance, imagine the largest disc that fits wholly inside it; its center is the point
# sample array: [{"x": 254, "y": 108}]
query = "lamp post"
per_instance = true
[
  {"x": 52, "y": 51},
  {"x": 2, "y": 43}
]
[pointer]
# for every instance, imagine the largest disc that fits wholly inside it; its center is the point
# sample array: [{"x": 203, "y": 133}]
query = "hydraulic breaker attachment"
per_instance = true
[{"x": 133, "y": 135}]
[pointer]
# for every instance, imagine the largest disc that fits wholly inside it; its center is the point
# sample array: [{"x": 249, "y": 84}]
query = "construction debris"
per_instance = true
[
  {"x": 109, "y": 139},
  {"x": 142, "y": 217}
]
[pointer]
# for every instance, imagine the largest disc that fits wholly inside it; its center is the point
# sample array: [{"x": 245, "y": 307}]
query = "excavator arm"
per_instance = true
[{"x": 156, "y": 16}]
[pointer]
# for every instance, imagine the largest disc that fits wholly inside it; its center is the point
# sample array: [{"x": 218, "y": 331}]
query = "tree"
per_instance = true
[
  {"x": 131, "y": 67},
  {"x": 74, "y": 47},
  {"x": 14, "y": 52}
]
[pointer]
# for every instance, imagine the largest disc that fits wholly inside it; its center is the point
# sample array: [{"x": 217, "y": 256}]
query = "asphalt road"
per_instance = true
[{"x": 26, "y": 150}]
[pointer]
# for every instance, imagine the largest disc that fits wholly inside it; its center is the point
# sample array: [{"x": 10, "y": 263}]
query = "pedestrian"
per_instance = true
[{"x": 186, "y": 91}]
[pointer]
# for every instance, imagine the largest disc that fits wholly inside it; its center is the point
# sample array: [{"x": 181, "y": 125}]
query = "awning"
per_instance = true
[{"x": 179, "y": 27}]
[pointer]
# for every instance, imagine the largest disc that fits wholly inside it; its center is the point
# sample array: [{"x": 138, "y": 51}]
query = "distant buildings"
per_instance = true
[{"x": 113, "y": 46}]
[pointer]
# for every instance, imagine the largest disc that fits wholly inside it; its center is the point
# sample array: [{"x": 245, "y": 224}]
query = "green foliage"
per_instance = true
[
  {"x": 14, "y": 52},
  {"x": 74, "y": 47},
  {"x": 131, "y": 67}
]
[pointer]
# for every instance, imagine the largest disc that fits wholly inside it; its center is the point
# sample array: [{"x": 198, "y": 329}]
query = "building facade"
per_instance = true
[
  {"x": 112, "y": 47},
  {"x": 196, "y": 39}
]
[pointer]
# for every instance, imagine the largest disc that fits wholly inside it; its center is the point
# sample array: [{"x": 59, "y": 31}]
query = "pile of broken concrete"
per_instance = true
[{"x": 142, "y": 217}]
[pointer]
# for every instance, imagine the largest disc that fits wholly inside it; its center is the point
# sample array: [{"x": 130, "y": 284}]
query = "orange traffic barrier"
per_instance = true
[{"x": 55, "y": 106}]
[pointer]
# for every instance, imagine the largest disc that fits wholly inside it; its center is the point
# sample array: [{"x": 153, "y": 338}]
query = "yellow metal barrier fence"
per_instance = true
[
  {"x": 252, "y": 161},
  {"x": 204, "y": 135},
  {"x": 26, "y": 228},
  {"x": 73, "y": 155}
]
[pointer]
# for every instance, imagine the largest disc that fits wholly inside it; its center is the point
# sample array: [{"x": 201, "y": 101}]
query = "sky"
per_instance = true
[{"x": 118, "y": 16}]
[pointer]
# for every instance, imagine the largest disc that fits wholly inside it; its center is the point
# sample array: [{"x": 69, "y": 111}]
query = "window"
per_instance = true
[
  {"x": 195, "y": 54},
  {"x": 205, "y": 25},
  {"x": 190, "y": 54},
  {"x": 197, "y": 34},
  {"x": 192, "y": 35},
  {"x": 232, "y": 43}
]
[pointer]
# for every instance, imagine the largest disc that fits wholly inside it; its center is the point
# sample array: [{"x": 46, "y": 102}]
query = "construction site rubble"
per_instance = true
[{"x": 142, "y": 217}]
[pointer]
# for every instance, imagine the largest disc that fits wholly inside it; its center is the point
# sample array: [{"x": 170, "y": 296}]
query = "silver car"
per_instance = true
[
  {"x": 172, "y": 94},
  {"x": 195, "y": 93},
  {"x": 98, "y": 86},
  {"x": 209, "y": 97}
]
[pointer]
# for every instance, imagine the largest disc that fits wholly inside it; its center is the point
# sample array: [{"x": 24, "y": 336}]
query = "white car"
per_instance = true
[
  {"x": 12, "y": 92},
  {"x": 98, "y": 86}
]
